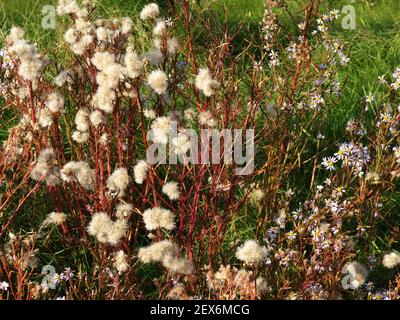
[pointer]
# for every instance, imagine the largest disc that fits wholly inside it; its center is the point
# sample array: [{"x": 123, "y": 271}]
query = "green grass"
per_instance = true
[{"x": 373, "y": 47}]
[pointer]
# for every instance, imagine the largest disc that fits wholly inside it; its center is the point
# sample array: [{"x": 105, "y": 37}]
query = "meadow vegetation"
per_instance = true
[{"x": 84, "y": 213}]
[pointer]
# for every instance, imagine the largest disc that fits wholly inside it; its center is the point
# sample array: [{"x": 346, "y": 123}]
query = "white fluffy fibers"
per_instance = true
[
  {"x": 150, "y": 11},
  {"x": 171, "y": 189},
  {"x": 158, "y": 81},
  {"x": 251, "y": 252},
  {"x": 158, "y": 217},
  {"x": 118, "y": 181},
  {"x": 206, "y": 83},
  {"x": 140, "y": 171},
  {"x": 391, "y": 260}
]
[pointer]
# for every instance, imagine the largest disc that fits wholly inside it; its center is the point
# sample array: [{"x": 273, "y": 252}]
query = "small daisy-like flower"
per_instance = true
[
  {"x": 395, "y": 85},
  {"x": 329, "y": 163},
  {"x": 334, "y": 14},
  {"x": 257, "y": 66},
  {"x": 381, "y": 80},
  {"x": 369, "y": 98},
  {"x": 369, "y": 286},
  {"x": 340, "y": 154},
  {"x": 301, "y": 25},
  {"x": 57, "y": 278},
  {"x": 67, "y": 274},
  {"x": 291, "y": 235},
  {"x": 169, "y": 22},
  {"x": 386, "y": 117},
  {"x": 292, "y": 296},
  {"x": 4, "y": 286},
  {"x": 322, "y": 28},
  {"x": 340, "y": 190}
]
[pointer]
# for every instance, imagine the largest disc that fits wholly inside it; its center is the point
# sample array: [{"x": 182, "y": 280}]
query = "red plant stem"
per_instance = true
[
  {"x": 118, "y": 123},
  {"x": 102, "y": 178}
]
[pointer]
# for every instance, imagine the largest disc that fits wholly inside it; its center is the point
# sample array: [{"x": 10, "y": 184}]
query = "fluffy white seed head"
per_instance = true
[
  {"x": 103, "y": 34},
  {"x": 45, "y": 118},
  {"x": 104, "y": 98},
  {"x": 97, "y": 118},
  {"x": 102, "y": 59},
  {"x": 82, "y": 120},
  {"x": 110, "y": 76},
  {"x": 391, "y": 260},
  {"x": 181, "y": 144},
  {"x": 80, "y": 137},
  {"x": 206, "y": 83},
  {"x": 43, "y": 165},
  {"x": 118, "y": 182},
  {"x": 149, "y": 114},
  {"x": 133, "y": 63},
  {"x": 79, "y": 172},
  {"x": 70, "y": 36},
  {"x": 103, "y": 140},
  {"x": 160, "y": 128},
  {"x": 178, "y": 265},
  {"x": 54, "y": 218},
  {"x": 126, "y": 25},
  {"x": 78, "y": 48},
  {"x": 67, "y": 7},
  {"x": 251, "y": 252},
  {"x": 150, "y": 11},
  {"x": 100, "y": 226},
  {"x": 117, "y": 232},
  {"x": 40, "y": 170},
  {"x": 262, "y": 285},
  {"x": 171, "y": 189},
  {"x": 158, "y": 217},
  {"x": 47, "y": 155},
  {"x": 105, "y": 230},
  {"x": 53, "y": 177},
  {"x": 15, "y": 34},
  {"x": 189, "y": 114},
  {"x": 160, "y": 28},
  {"x": 356, "y": 275},
  {"x": 140, "y": 171},
  {"x": 158, "y": 81},
  {"x": 166, "y": 252},
  {"x": 156, "y": 251},
  {"x": 120, "y": 261},
  {"x": 61, "y": 78},
  {"x": 256, "y": 195},
  {"x": 55, "y": 102},
  {"x": 206, "y": 119},
  {"x": 124, "y": 210}
]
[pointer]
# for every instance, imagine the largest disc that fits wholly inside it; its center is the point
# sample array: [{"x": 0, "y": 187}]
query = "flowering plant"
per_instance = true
[{"x": 88, "y": 160}]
